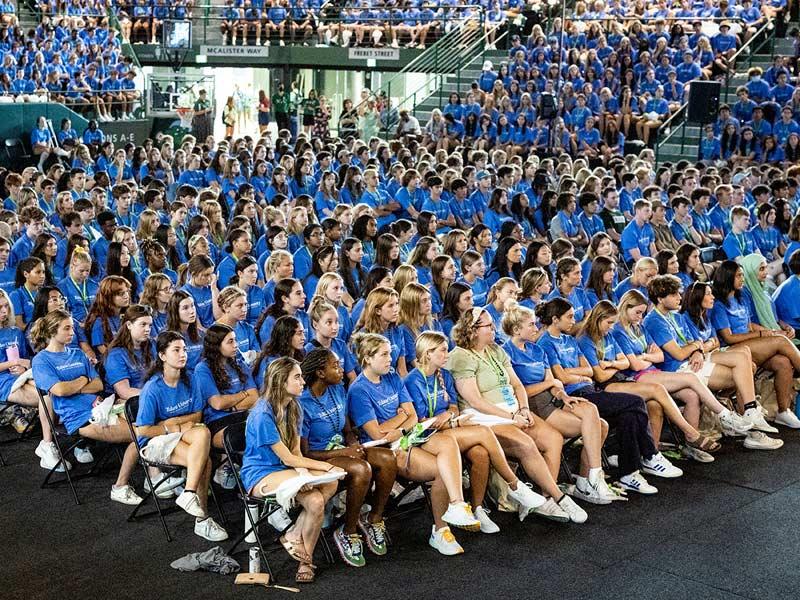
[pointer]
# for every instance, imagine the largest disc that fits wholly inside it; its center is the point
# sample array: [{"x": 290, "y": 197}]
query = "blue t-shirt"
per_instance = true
[
  {"x": 432, "y": 395},
  {"x": 592, "y": 352},
  {"x": 120, "y": 366},
  {"x": 630, "y": 342},
  {"x": 160, "y": 401},
  {"x": 634, "y": 236},
  {"x": 340, "y": 350},
  {"x": 664, "y": 329},
  {"x": 97, "y": 336},
  {"x": 261, "y": 433},
  {"x": 530, "y": 364},
  {"x": 79, "y": 296},
  {"x": 204, "y": 387},
  {"x": 740, "y": 244},
  {"x": 22, "y": 300},
  {"x": 323, "y": 417},
  {"x": 734, "y": 316},
  {"x": 50, "y": 368},
  {"x": 786, "y": 305},
  {"x": 10, "y": 337},
  {"x": 367, "y": 401},
  {"x": 203, "y": 303},
  {"x": 577, "y": 298},
  {"x": 256, "y": 304},
  {"x": 564, "y": 351}
]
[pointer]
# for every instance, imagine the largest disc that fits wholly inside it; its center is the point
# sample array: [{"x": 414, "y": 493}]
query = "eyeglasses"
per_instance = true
[{"x": 167, "y": 290}]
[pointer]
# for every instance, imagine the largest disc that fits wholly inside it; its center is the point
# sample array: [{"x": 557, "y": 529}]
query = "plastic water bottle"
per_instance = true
[
  {"x": 255, "y": 560},
  {"x": 254, "y": 513}
]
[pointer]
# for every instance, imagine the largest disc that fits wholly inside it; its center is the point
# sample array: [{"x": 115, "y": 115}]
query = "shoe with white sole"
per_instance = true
[
  {"x": 635, "y": 482},
  {"x": 551, "y": 510},
  {"x": 696, "y": 454},
  {"x": 224, "y": 477},
  {"x": 459, "y": 514},
  {"x": 125, "y": 494},
  {"x": 733, "y": 424},
  {"x": 788, "y": 419},
  {"x": 758, "y": 440},
  {"x": 190, "y": 502},
  {"x": 210, "y": 530},
  {"x": 48, "y": 453},
  {"x": 588, "y": 492},
  {"x": 575, "y": 512},
  {"x": 166, "y": 489},
  {"x": 83, "y": 455},
  {"x": 445, "y": 542},
  {"x": 487, "y": 525},
  {"x": 659, "y": 466},
  {"x": 526, "y": 498},
  {"x": 756, "y": 418}
]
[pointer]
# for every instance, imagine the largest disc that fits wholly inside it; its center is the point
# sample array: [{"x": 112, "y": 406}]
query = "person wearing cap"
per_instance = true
[
  {"x": 724, "y": 43},
  {"x": 487, "y": 77}
]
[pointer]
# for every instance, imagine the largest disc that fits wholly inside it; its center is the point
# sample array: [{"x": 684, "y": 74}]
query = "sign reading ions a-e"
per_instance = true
[
  {"x": 373, "y": 54},
  {"x": 240, "y": 51}
]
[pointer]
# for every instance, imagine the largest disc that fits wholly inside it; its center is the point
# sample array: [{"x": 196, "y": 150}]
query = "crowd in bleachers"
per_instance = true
[{"x": 72, "y": 57}]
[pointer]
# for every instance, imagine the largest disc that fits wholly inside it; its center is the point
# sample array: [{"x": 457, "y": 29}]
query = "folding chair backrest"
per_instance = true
[
  {"x": 131, "y": 410},
  {"x": 234, "y": 441}
]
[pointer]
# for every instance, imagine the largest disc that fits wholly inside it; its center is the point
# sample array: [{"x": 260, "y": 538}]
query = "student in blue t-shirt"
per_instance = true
[
  {"x": 72, "y": 385},
  {"x": 638, "y": 237},
  {"x": 326, "y": 435},
  {"x": 272, "y": 456},
  {"x": 739, "y": 242},
  {"x": 325, "y": 324},
  {"x": 131, "y": 353},
  {"x": 787, "y": 305},
  {"x": 202, "y": 288},
  {"x": 170, "y": 427},
  {"x": 233, "y": 306}
]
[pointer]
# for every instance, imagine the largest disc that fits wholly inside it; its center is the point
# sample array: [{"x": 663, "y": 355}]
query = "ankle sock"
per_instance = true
[{"x": 750, "y": 405}]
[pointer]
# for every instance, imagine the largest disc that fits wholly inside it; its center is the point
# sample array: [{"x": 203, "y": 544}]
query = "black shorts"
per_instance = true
[
  {"x": 217, "y": 425},
  {"x": 308, "y": 120}
]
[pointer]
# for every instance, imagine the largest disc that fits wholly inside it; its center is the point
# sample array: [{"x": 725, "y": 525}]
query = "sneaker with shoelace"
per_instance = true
[
  {"x": 759, "y": 423},
  {"x": 591, "y": 492},
  {"x": 487, "y": 525},
  {"x": 758, "y": 440},
  {"x": 659, "y": 465},
  {"x": 374, "y": 535},
  {"x": 576, "y": 513},
  {"x": 83, "y": 455},
  {"x": 48, "y": 453},
  {"x": 125, "y": 494},
  {"x": 552, "y": 511},
  {"x": 444, "y": 542},
  {"x": 635, "y": 482},
  {"x": 459, "y": 514},
  {"x": 224, "y": 477},
  {"x": 210, "y": 530},
  {"x": 350, "y": 547}
]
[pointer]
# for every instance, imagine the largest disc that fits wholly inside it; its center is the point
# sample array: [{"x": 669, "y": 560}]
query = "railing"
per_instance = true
[{"x": 677, "y": 122}]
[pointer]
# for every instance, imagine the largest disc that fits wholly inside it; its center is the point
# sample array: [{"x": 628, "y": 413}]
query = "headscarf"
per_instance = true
[{"x": 761, "y": 300}]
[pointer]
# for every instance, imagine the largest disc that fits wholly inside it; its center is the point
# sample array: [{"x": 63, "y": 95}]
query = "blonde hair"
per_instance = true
[
  {"x": 228, "y": 295},
  {"x": 319, "y": 306},
  {"x": 591, "y": 326},
  {"x": 369, "y": 320},
  {"x": 286, "y": 413},
  {"x": 323, "y": 284},
  {"x": 427, "y": 342},
  {"x": 463, "y": 333},
  {"x": 403, "y": 276},
  {"x": 498, "y": 285},
  {"x": 148, "y": 223},
  {"x": 366, "y": 345},
  {"x": 10, "y": 317},
  {"x": 80, "y": 254},
  {"x": 513, "y": 318},
  {"x": 410, "y": 302},
  {"x": 46, "y": 327},
  {"x": 629, "y": 300},
  {"x": 274, "y": 261},
  {"x": 532, "y": 280},
  {"x": 290, "y": 224}
]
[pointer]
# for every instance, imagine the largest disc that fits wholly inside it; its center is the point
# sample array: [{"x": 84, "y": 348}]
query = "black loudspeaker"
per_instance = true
[
  {"x": 704, "y": 101},
  {"x": 549, "y": 108}
]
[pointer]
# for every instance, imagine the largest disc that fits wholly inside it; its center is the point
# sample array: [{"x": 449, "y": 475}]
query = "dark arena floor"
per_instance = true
[{"x": 724, "y": 530}]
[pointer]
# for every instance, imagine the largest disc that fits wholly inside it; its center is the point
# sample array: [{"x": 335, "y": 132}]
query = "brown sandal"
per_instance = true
[
  {"x": 295, "y": 550},
  {"x": 305, "y": 573},
  {"x": 706, "y": 444}
]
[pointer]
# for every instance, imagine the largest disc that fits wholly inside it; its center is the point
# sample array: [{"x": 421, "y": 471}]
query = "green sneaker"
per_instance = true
[
  {"x": 374, "y": 534},
  {"x": 350, "y": 547}
]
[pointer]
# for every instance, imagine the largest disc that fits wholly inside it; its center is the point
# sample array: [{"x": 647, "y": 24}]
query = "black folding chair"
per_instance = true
[
  {"x": 65, "y": 443},
  {"x": 234, "y": 443},
  {"x": 167, "y": 469}
]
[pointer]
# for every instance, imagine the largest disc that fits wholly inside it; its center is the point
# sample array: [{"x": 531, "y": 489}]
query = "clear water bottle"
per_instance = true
[
  {"x": 253, "y": 509},
  {"x": 255, "y": 560}
]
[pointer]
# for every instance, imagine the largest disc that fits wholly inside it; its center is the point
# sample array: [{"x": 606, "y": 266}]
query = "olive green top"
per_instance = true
[{"x": 490, "y": 369}]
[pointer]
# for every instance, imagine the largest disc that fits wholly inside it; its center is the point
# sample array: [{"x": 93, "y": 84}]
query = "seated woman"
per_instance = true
[
  {"x": 233, "y": 305},
  {"x": 380, "y": 406},
  {"x": 458, "y": 300},
  {"x": 535, "y": 286},
  {"x": 610, "y": 363},
  {"x": 272, "y": 456},
  {"x": 686, "y": 349},
  {"x": 434, "y": 394},
  {"x": 131, "y": 353},
  {"x": 601, "y": 281},
  {"x": 625, "y": 411},
  {"x": 568, "y": 287},
  {"x": 29, "y": 278},
  {"x": 763, "y": 309},
  {"x": 290, "y": 300},
  {"x": 223, "y": 386},
  {"x": 645, "y": 358},
  {"x": 72, "y": 385},
  {"x": 169, "y": 425},
  {"x": 182, "y": 317},
  {"x": 570, "y": 415},
  {"x": 247, "y": 279},
  {"x": 380, "y": 316},
  {"x": 288, "y": 338},
  {"x": 502, "y": 295},
  {"x": 103, "y": 319},
  {"x": 158, "y": 289},
  {"x": 416, "y": 316},
  {"x": 486, "y": 383},
  {"x": 326, "y": 435},
  {"x": 325, "y": 321},
  {"x": 770, "y": 349}
]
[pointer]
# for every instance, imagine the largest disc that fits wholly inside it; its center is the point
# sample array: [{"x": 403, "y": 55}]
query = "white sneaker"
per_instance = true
[
  {"x": 756, "y": 419},
  {"x": 48, "y": 453},
  {"x": 459, "y": 514},
  {"x": 280, "y": 520},
  {"x": 613, "y": 461},
  {"x": 758, "y": 440},
  {"x": 590, "y": 493},
  {"x": 696, "y": 454},
  {"x": 224, "y": 477},
  {"x": 786, "y": 418},
  {"x": 445, "y": 542},
  {"x": 83, "y": 455},
  {"x": 734, "y": 424},
  {"x": 526, "y": 498},
  {"x": 209, "y": 529},
  {"x": 659, "y": 466},
  {"x": 575, "y": 512},
  {"x": 166, "y": 489},
  {"x": 125, "y": 495},
  {"x": 635, "y": 482},
  {"x": 189, "y": 502},
  {"x": 551, "y": 510},
  {"x": 487, "y": 525}
]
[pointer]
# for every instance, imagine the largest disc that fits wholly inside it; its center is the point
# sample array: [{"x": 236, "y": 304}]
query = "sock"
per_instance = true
[
  {"x": 594, "y": 475},
  {"x": 750, "y": 405},
  {"x": 188, "y": 491}
]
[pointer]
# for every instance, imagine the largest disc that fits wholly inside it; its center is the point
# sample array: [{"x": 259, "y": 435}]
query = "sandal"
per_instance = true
[
  {"x": 305, "y": 573},
  {"x": 706, "y": 444},
  {"x": 295, "y": 550}
]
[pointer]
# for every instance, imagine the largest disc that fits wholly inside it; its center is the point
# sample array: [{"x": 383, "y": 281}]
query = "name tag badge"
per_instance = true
[{"x": 508, "y": 396}]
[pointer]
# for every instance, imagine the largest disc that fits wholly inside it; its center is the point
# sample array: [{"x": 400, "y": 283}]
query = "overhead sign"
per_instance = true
[
  {"x": 373, "y": 54},
  {"x": 122, "y": 132},
  {"x": 239, "y": 51}
]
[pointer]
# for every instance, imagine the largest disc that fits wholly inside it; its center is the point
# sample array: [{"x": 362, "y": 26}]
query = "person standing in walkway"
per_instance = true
[{"x": 280, "y": 106}]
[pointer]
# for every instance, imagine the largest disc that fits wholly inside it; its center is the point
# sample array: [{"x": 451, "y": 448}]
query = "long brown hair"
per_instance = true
[
  {"x": 103, "y": 306},
  {"x": 286, "y": 413},
  {"x": 124, "y": 340}
]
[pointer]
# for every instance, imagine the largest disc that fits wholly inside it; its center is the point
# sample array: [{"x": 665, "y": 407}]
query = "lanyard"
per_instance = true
[
  {"x": 30, "y": 295},
  {"x": 497, "y": 368},
  {"x": 670, "y": 319},
  {"x": 639, "y": 338},
  {"x": 431, "y": 398},
  {"x": 82, "y": 291},
  {"x": 740, "y": 242}
]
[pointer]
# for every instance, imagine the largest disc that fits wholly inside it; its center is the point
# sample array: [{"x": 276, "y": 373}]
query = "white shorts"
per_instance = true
[{"x": 704, "y": 373}]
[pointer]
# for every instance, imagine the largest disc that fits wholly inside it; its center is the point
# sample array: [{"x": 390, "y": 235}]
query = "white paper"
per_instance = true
[{"x": 479, "y": 418}]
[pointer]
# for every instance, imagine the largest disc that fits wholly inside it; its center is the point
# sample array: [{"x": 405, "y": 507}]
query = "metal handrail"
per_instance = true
[{"x": 671, "y": 127}]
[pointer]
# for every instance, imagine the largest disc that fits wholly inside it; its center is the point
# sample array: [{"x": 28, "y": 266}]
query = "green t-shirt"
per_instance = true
[
  {"x": 280, "y": 103},
  {"x": 310, "y": 106},
  {"x": 490, "y": 369}
]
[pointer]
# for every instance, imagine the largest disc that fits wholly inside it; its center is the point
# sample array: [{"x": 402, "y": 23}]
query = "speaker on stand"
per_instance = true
[{"x": 703, "y": 101}]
